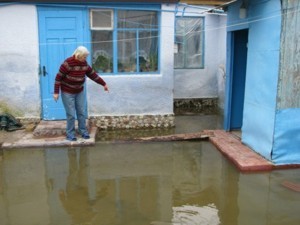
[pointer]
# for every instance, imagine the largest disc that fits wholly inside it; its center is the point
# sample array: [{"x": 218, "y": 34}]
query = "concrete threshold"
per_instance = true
[
  {"x": 29, "y": 140},
  {"x": 243, "y": 157}
]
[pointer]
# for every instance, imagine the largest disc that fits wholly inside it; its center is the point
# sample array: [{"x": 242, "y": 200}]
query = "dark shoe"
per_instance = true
[
  {"x": 71, "y": 138},
  {"x": 86, "y": 136}
]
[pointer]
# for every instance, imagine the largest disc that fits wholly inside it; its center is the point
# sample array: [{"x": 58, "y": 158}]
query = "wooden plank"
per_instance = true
[
  {"x": 289, "y": 80},
  {"x": 174, "y": 137}
]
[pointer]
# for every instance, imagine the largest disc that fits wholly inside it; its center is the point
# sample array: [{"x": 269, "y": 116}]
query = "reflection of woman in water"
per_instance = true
[{"x": 75, "y": 199}]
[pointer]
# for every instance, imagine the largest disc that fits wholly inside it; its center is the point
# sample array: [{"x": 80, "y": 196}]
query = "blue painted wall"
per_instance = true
[
  {"x": 286, "y": 148},
  {"x": 262, "y": 76},
  {"x": 271, "y": 122},
  {"x": 264, "y": 23}
]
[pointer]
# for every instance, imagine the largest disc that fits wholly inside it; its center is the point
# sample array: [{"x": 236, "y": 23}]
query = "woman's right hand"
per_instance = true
[{"x": 55, "y": 96}]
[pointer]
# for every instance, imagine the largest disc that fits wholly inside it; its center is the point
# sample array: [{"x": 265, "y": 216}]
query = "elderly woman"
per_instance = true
[{"x": 70, "y": 80}]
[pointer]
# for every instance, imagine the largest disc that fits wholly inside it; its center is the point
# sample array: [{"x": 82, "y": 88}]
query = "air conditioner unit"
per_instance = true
[{"x": 101, "y": 19}]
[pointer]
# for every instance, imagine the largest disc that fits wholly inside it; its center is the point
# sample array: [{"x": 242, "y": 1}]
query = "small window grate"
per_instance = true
[{"x": 101, "y": 19}]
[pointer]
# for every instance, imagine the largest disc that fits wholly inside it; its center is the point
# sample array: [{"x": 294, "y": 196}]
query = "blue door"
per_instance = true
[
  {"x": 235, "y": 84},
  {"x": 60, "y": 32},
  {"x": 238, "y": 78}
]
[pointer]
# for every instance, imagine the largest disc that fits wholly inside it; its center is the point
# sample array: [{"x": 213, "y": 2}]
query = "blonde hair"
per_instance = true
[{"x": 81, "y": 51}]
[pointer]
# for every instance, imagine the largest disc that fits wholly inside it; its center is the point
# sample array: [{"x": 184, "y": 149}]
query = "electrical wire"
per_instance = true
[{"x": 234, "y": 24}]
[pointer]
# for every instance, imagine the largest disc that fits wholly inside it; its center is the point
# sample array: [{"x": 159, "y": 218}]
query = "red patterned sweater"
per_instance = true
[{"x": 71, "y": 76}]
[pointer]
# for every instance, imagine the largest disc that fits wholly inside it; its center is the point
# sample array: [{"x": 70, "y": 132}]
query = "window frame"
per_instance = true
[
  {"x": 202, "y": 39},
  {"x": 115, "y": 29}
]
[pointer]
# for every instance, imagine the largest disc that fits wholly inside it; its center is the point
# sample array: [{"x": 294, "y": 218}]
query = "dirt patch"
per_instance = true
[{"x": 11, "y": 136}]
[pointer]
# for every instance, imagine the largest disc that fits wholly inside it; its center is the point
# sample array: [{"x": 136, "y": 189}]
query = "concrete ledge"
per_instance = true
[
  {"x": 29, "y": 141},
  {"x": 244, "y": 158}
]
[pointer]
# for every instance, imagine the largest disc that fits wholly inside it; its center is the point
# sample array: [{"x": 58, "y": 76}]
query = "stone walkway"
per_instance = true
[{"x": 241, "y": 156}]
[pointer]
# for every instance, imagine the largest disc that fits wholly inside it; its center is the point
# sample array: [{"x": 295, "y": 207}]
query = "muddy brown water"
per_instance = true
[{"x": 186, "y": 183}]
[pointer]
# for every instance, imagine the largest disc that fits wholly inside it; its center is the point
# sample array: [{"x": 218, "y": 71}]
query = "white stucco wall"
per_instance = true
[
  {"x": 151, "y": 94},
  {"x": 221, "y": 69},
  {"x": 139, "y": 94},
  {"x": 207, "y": 82},
  {"x": 19, "y": 77}
]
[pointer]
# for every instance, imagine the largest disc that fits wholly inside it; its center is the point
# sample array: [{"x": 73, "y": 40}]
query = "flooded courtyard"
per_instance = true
[{"x": 158, "y": 183}]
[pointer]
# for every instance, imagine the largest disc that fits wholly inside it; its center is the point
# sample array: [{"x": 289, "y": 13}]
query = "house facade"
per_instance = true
[
  {"x": 200, "y": 84},
  {"x": 132, "y": 48},
  {"x": 262, "y": 89}
]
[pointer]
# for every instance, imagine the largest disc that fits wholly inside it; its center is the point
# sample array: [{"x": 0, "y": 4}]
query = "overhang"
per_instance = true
[
  {"x": 205, "y": 2},
  {"x": 90, "y": 1}
]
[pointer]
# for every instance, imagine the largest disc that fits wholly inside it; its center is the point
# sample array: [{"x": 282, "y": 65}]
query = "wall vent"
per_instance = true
[{"x": 101, "y": 19}]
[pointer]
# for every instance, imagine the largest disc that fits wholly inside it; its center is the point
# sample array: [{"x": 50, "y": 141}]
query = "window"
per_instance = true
[
  {"x": 189, "y": 39},
  {"x": 129, "y": 45}
]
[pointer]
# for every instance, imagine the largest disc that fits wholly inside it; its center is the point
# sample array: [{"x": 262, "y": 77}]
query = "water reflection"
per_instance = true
[
  {"x": 23, "y": 190},
  {"x": 195, "y": 215},
  {"x": 74, "y": 198},
  {"x": 136, "y": 184}
]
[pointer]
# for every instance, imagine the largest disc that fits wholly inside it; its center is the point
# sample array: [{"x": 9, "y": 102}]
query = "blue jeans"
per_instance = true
[{"x": 74, "y": 105}]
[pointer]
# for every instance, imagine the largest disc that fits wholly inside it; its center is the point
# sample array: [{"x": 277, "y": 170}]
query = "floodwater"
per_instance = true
[{"x": 163, "y": 183}]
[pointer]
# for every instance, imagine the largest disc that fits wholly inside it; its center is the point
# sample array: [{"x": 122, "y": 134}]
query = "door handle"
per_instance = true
[{"x": 44, "y": 71}]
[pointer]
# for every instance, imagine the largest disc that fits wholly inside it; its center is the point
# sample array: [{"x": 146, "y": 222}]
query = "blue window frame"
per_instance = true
[
  {"x": 125, "y": 41},
  {"x": 189, "y": 43}
]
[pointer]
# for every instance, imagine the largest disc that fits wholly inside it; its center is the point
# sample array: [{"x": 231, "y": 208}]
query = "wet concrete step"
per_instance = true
[
  {"x": 29, "y": 141},
  {"x": 50, "y": 129},
  {"x": 53, "y": 128}
]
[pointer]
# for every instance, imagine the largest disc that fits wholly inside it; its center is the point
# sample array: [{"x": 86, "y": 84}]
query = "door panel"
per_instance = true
[
  {"x": 61, "y": 31},
  {"x": 238, "y": 78}
]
